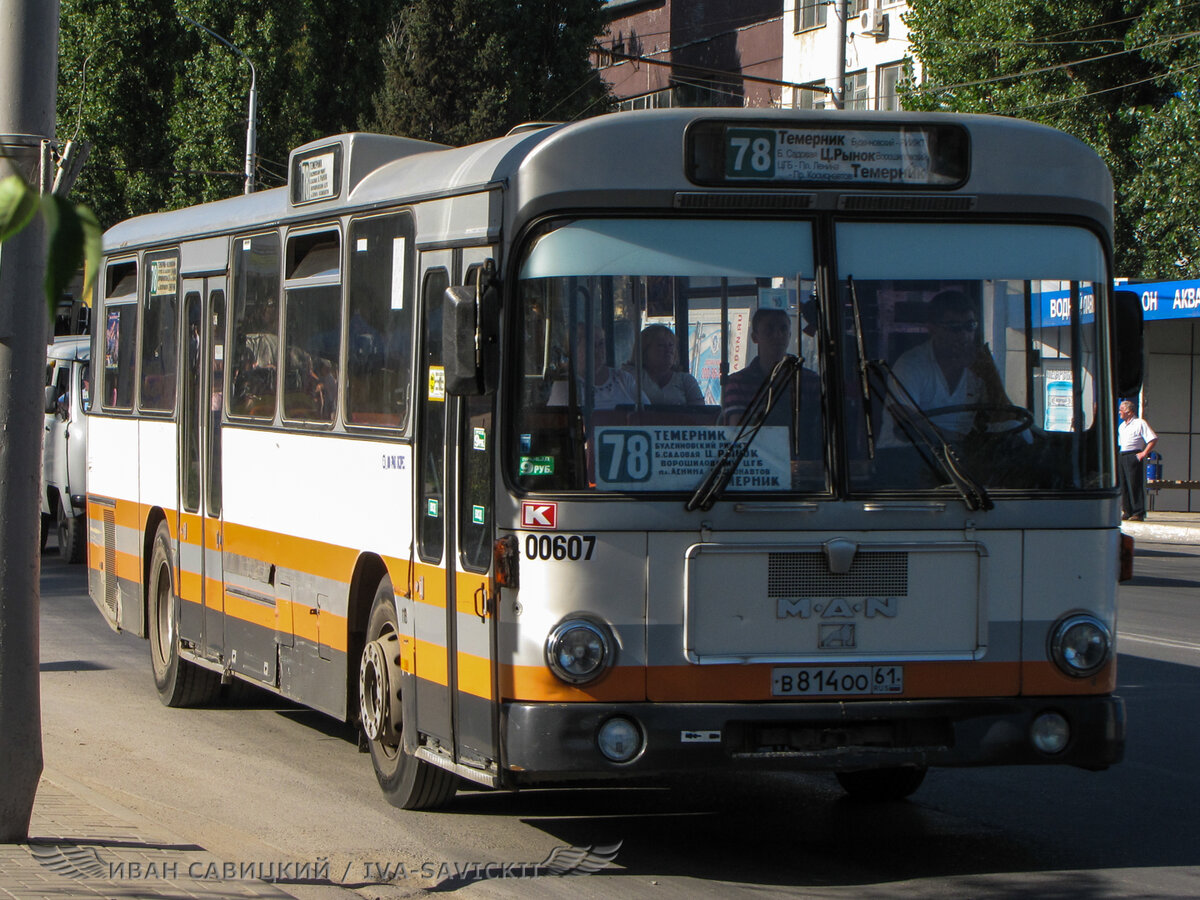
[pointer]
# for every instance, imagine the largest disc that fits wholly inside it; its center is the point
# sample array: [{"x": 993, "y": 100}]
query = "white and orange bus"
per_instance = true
[{"x": 664, "y": 441}]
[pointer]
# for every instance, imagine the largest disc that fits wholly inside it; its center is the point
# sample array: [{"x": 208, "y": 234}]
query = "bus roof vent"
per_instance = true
[
  {"x": 740, "y": 200},
  {"x": 530, "y": 126},
  {"x": 331, "y": 168},
  {"x": 906, "y": 202}
]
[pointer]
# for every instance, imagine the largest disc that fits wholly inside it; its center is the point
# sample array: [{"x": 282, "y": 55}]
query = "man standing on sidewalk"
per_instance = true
[{"x": 1136, "y": 440}]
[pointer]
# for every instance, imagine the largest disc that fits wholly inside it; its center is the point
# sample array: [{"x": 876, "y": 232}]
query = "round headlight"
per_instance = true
[
  {"x": 578, "y": 650},
  {"x": 1080, "y": 645}
]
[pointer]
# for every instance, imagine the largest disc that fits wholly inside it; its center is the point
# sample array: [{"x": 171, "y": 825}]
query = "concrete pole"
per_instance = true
[
  {"x": 840, "y": 12},
  {"x": 28, "y": 81}
]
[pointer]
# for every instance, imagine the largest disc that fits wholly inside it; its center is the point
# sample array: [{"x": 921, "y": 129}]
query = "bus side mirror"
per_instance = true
[
  {"x": 470, "y": 336},
  {"x": 1127, "y": 343},
  {"x": 50, "y": 403}
]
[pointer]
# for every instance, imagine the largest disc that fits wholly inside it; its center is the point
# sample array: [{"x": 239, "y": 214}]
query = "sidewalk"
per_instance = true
[
  {"x": 1165, "y": 527},
  {"x": 83, "y": 846}
]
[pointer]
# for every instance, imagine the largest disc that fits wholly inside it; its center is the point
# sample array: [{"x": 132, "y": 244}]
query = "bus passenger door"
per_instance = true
[
  {"x": 475, "y": 696},
  {"x": 456, "y": 681},
  {"x": 431, "y": 588},
  {"x": 214, "y": 568},
  {"x": 198, "y": 542}
]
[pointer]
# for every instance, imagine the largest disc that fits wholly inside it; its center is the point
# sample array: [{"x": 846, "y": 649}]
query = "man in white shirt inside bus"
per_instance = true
[{"x": 1136, "y": 440}]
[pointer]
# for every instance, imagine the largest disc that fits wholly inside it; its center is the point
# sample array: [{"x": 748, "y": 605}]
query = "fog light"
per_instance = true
[
  {"x": 619, "y": 739},
  {"x": 1050, "y": 732},
  {"x": 1080, "y": 645},
  {"x": 578, "y": 650}
]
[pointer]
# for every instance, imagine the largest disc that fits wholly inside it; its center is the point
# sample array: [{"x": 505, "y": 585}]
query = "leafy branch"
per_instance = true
[{"x": 73, "y": 234}]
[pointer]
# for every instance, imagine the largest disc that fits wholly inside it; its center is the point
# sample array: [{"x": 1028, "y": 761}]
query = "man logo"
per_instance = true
[{"x": 836, "y": 637}]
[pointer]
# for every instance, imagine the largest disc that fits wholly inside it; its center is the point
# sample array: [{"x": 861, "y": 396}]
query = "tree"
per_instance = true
[
  {"x": 1107, "y": 72},
  {"x": 165, "y": 105},
  {"x": 458, "y": 71}
]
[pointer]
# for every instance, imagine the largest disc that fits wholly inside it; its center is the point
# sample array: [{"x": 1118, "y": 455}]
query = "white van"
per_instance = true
[{"x": 64, "y": 456}]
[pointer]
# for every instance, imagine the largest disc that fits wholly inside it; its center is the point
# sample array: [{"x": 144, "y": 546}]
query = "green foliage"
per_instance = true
[
  {"x": 1114, "y": 73},
  {"x": 165, "y": 105},
  {"x": 72, "y": 234},
  {"x": 458, "y": 71}
]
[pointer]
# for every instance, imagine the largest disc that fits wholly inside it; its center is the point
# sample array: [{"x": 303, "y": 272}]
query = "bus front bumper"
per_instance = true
[{"x": 547, "y": 742}]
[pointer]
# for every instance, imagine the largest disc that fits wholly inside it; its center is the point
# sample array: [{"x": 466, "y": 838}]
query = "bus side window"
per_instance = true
[
  {"x": 160, "y": 311},
  {"x": 255, "y": 340},
  {"x": 379, "y": 343}
]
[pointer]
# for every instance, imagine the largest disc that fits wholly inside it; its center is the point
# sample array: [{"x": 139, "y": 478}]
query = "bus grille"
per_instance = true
[
  {"x": 110, "y": 562},
  {"x": 806, "y": 574}
]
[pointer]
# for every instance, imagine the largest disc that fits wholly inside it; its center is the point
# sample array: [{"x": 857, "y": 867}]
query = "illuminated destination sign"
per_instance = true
[{"x": 885, "y": 155}]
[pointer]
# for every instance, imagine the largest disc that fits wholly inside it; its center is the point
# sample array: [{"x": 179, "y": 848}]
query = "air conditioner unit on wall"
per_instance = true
[{"x": 873, "y": 21}]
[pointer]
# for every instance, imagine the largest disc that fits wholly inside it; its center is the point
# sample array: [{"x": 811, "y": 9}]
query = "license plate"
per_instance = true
[{"x": 839, "y": 681}]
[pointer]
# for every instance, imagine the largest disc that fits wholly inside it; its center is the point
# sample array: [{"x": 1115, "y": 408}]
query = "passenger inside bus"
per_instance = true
[
  {"x": 660, "y": 378},
  {"x": 610, "y": 387},
  {"x": 770, "y": 332}
]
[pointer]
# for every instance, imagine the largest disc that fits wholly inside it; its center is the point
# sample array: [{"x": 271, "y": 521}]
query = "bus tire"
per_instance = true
[
  {"x": 71, "y": 531},
  {"x": 179, "y": 682},
  {"x": 882, "y": 785},
  {"x": 407, "y": 782}
]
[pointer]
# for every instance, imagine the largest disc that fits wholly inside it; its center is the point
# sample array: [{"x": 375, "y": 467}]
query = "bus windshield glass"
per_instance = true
[
  {"x": 649, "y": 347},
  {"x": 970, "y": 358}
]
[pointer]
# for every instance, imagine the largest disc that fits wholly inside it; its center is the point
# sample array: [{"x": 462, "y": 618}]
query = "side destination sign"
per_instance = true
[{"x": 866, "y": 156}]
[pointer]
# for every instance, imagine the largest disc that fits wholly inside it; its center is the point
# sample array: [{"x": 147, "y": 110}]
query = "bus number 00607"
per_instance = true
[{"x": 560, "y": 546}]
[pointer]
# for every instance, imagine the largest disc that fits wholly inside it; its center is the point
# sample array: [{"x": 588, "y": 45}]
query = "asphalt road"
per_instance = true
[{"x": 258, "y": 780}]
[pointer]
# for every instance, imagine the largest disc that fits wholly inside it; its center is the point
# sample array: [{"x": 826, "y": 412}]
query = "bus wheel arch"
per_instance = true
[
  {"x": 406, "y": 781},
  {"x": 178, "y": 681}
]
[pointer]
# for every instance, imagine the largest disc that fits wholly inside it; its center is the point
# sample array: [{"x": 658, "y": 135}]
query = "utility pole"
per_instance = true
[
  {"x": 252, "y": 114},
  {"x": 28, "y": 82},
  {"x": 840, "y": 12}
]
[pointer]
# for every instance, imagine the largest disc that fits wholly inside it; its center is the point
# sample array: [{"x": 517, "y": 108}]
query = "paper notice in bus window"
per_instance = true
[
  {"x": 164, "y": 276},
  {"x": 676, "y": 458},
  {"x": 398, "y": 273},
  {"x": 437, "y": 383}
]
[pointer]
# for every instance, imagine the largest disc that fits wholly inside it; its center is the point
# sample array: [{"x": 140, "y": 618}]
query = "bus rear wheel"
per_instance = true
[
  {"x": 881, "y": 785},
  {"x": 179, "y": 682},
  {"x": 407, "y": 782}
]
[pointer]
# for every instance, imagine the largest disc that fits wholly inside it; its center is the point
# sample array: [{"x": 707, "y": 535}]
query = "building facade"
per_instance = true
[
  {"x": 661, "y": 53},
  {"x": 877, "y": 53}
]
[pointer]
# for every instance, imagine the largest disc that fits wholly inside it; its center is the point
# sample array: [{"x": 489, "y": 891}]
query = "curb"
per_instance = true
[{"x": 1165, "y": 534}]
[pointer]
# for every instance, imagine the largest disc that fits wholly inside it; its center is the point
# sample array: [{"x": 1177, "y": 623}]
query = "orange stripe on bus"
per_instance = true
[
  {"x": 538, "y": 684},
  {"x": 475, "y": 675},
  {"x": 1045, "y": 679},
  {"x": 432, "y": 663}
]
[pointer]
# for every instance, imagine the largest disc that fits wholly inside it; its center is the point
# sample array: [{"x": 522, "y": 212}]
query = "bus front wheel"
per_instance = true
[
  {"x": 407, "y": 782},
  {"x": 179, "y": 682},
  {"x": 881, "y": 785}
]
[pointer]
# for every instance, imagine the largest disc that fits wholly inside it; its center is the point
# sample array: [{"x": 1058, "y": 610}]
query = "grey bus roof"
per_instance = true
[{"x": 636, "y": 159}]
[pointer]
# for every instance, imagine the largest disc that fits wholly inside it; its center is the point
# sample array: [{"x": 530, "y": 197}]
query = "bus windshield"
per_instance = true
[
  {"x": 650, "y": 346},
  {"x": 970, "y": 356}
]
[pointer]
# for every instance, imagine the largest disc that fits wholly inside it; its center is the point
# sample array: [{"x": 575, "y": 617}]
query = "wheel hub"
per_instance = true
[{"x": 378, "y": 690}]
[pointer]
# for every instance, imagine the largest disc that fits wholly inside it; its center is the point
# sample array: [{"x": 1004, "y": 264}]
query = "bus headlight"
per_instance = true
[
  {"x": 1080, "y": 644},
  {"x": 579, "y": 650}
]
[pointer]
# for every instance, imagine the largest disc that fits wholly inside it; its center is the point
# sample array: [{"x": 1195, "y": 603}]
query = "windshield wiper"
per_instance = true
[
  {"x": 923, "y": 434},
  {"x": 916, "y": 425},
  {"x": 755, "y": 416}
]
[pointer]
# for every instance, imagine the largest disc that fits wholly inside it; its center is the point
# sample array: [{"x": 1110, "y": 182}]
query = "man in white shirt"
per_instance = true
[
  {"x": 951, "y": 369},
  {"x": 1136, "y": 441}
]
